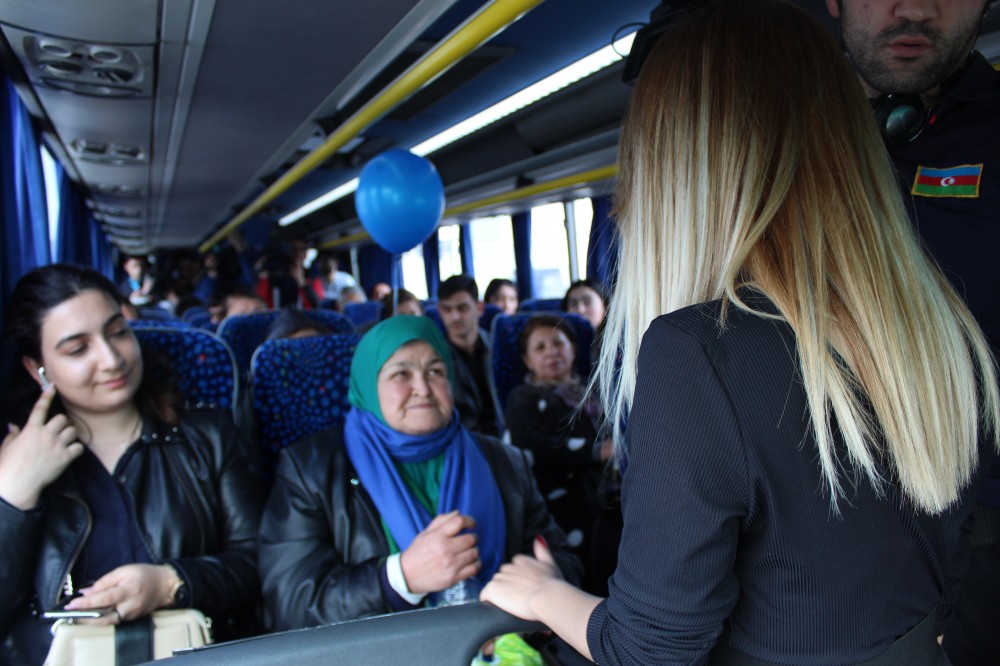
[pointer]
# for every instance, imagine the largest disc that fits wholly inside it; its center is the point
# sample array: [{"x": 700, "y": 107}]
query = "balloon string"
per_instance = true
[{"x": 397, "y": 272}]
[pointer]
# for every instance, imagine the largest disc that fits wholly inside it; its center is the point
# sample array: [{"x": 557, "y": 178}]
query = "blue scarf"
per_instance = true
[{"x": 467, "y": 483}]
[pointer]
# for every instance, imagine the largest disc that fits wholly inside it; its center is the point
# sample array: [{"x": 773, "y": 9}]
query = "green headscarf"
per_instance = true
[{"x": 381, "y": 342}]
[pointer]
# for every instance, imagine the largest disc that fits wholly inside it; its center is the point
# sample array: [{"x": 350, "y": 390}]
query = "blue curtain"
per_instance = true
[
  {"x": 25, "y": 220},
  {"x": 602, "y": 251},
  {"x": 521, "y": 223},
  {"x": 465, "y": 250},
  {"x": 79, "y": 238},
  {"x": 374, "y": 265},
  {"x": 432, "y": 264}
]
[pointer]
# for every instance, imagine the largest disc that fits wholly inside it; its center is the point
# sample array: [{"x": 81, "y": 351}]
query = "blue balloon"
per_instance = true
[{"x": 400, "y": 199}]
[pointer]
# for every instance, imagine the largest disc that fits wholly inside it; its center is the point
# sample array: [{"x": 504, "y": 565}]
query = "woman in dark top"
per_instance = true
[
  {"x": 543, "y": 418},
  {"x": 402, "y": 506},
  {"x": 111, "y": 495},
  {"x": 807, "y": 424}
]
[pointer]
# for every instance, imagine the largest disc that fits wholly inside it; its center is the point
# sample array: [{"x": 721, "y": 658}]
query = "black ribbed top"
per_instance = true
[{"x": 729, "y": 535}]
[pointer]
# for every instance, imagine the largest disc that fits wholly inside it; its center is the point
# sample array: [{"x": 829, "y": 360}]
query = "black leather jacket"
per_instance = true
[
  {"x": 322, "y": 545},
  {"x": 195, "y": 496},
  {"x": 472, "y": 399}
]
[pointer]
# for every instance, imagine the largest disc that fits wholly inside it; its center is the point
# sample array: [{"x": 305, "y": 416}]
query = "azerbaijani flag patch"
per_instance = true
[{"x": 961, "y": 181}]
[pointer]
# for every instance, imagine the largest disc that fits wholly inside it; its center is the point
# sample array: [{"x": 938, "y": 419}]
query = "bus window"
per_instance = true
[
  {"x": 583, "y": 212},
  {"x": 549, "y": 251},
  {"x": 51, "y": 199},
  {"x": 492, "y": 249},
  {"x": 414, "y": 278},
  {"x": 449, "y": 252}
]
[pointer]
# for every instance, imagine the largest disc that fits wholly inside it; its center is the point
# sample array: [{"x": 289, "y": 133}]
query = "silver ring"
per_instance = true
[{"x": 118, "y": 616}]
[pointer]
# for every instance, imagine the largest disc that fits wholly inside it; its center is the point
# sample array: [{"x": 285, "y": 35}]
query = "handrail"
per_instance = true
[
  {"x": 473, "y": 33},
  {"x": 446, "y": 636},
  {"x": 594, "y": 175}
]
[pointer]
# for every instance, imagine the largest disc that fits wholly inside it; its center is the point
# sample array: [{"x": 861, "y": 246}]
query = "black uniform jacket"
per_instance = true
[
  {"x": 322, "y": 546},
  {"x": 195, "y": 497}
]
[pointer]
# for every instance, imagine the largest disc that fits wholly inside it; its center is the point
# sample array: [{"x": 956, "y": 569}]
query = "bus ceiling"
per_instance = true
[{"x": 175, "y": 116}]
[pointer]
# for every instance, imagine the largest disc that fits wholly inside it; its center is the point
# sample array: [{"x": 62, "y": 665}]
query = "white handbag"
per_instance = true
[{"x": 88, "y": 645}]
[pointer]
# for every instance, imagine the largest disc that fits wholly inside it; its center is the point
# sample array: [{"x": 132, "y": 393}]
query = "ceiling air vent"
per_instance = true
[
  {"x": 123, "y": 191},
  {"x": 101, "y": 70},
  {"x": 127, "y": 213},
  {"x": 108, "y": 152}
]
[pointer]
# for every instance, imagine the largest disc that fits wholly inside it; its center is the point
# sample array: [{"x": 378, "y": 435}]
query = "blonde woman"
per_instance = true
[{"x": 807, "y": 425}]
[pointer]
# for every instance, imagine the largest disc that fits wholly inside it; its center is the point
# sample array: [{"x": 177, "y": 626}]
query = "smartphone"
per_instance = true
[
  {"x": 45, "y": 380},
  {"x": 75, "y": 614}
]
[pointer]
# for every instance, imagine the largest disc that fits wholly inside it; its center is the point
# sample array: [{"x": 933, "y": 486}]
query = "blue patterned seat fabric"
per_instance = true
[
  {"x": 245, "y": 333},
  {"x": 154, "y": 312},
  {"x": 299, "y": 387},
  {"x": 363, "y": 313},
  {"x": 160, "y": 323},
  {"x": 506, "y": 367},
  {"x": 435, "y": 316},
  {"x": 490, "y": 312},
  {"x": 202, "y": 364},
  {"x": 196, "y": 312},
  {"x": 202, "y": 320},
  {"x": 541, "y": 305}
]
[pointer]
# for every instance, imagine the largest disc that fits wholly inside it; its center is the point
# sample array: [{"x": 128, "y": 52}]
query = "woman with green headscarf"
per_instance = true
[{"x": 401, "y": 504}]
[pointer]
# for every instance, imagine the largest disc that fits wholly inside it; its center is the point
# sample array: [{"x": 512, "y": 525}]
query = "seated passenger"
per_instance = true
[
  {"x": 566, "y": 445},
  {"x": 111, "y": 495},
  {"x": 350, "y": 295},
  {"x": 401, "y": 504},
  {"x": 458, "y": 305},
  {"x": 137, "y": 286},
  {"x": 292, "y": 324},
  {"x": 406, "y": 304},
  {"x": 587, "y": 298},
  {"x": 380, "y": 291},
  {"x": 234, "y": 299},
  {"x": 503, "y": 294}
]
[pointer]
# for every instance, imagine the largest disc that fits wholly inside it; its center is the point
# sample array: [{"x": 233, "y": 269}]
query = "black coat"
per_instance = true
[
  {"x": 196, "y": 500},
  {"x": 472, "y": 396},
  {"x": 322, "y": 546}
]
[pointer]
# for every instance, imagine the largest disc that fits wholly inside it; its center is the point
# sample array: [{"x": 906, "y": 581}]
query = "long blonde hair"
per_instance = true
[{"x": 749, "y": 155}]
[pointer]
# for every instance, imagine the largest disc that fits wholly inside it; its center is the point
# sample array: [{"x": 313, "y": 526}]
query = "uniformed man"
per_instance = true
[{"x": 938, "y": 103}]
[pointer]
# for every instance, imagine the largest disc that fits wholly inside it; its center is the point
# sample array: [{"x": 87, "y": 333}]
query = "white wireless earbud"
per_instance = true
[{"x": 45, "y": 380}]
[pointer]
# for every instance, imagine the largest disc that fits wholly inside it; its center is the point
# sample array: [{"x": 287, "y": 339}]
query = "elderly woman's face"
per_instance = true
[
  {"x": 414, "y": 392},
  {"x": 549, "y": 355}
]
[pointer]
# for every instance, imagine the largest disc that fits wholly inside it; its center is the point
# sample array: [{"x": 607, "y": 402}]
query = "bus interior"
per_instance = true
[{"x": 163, "y": 125}]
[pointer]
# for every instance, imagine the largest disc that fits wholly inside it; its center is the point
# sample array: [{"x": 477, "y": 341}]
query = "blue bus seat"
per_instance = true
[
  {"x": 490, "y": 312},
  {"x": 363, "y": 313},
  {"x": 299, "y": 388},
  {"x": 541, "y": 305},
  {"x": 196, "y": 313},
  {"x": 245, "y": 333},
  {"x": 435, "y": 316},
  {"x": 203, "y": 365},
  {"x": 506, "y": 367},
  {"x": 201, "y": 320},
  {"x": 160, "y": 323},
  {"x": 153, "y": 312}
]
